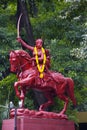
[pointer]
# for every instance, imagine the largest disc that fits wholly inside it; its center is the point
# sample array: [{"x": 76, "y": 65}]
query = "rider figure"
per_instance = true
[{"x": 40, "y": 57}]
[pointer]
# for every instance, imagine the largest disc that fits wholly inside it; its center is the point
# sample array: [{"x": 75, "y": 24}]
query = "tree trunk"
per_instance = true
[
  {"x": 25, "y": 21},
  {"x": 33, "y": 8}
]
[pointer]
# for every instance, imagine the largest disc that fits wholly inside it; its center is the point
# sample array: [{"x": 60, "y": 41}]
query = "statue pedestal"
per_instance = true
[{"x": 26, "y": 123}]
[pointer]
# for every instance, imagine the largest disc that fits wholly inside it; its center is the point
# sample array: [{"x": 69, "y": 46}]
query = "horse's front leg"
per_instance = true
[
  {"x": 16, "y": 84},
  {"x": 23, "y": 83},
  {"x": 22, "y": 97},
  {"x": 21, "y": 94}
]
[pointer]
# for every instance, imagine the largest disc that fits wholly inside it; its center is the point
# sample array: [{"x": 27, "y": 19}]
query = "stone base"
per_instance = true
[{"x": 26, "y": 123}]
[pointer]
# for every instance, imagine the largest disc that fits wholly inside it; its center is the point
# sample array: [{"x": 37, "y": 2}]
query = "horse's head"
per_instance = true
[{"x": 18, "y": 59}]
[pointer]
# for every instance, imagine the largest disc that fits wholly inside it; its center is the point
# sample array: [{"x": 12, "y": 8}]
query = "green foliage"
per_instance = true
[
  {"x": 7, "y": 94},
  {"x": 7, "y": 40},
  {"x": 7, "y": 89},
  {"x": 29, "y": 103}
]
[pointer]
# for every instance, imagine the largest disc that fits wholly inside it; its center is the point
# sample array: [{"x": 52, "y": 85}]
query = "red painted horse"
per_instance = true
[{"x": 52, "y": 84}]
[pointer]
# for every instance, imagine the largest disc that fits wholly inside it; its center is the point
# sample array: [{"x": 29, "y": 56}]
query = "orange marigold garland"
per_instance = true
[{"x": 40, "y": 68}]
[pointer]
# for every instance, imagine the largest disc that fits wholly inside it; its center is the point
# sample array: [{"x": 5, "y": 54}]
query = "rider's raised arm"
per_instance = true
[{"x": 25, "y": 44}]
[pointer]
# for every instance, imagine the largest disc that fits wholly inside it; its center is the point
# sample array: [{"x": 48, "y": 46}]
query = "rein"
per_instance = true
[{"x": 19, "y": 61}]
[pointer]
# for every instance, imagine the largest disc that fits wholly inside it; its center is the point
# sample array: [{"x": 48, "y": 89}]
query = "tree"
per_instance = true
[{"x": 22, "y": 8}]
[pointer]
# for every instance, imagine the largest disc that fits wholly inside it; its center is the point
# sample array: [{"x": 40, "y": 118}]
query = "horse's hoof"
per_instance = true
[
  {"x": 41, "y": 108},
  {"x": 22, "y": 97},
  {"x": 15, "y": 84},
  {"x": 62, "y": 116}
]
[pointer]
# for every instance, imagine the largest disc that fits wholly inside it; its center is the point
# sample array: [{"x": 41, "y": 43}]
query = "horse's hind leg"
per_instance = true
[
  {"x": 48, "y": 103},
  {"x": 66, "y": 100},
  {"x": 71, "y": 90}
]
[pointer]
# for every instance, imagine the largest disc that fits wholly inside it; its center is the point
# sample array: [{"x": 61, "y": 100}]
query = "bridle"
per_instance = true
[{"x": 18, "y": 60}]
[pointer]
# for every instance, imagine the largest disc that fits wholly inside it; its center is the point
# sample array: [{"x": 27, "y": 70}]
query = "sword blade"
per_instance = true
[{"x": 18, "y": 26}]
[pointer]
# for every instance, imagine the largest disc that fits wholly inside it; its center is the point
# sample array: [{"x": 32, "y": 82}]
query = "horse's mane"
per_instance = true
[{"x": 21, "y": 53}]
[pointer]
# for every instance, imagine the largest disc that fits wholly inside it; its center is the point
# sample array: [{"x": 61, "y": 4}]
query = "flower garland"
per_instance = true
[{"x": 40, "y": 68}]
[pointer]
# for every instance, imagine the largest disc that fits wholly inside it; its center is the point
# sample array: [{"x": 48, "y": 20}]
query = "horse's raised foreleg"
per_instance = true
[
  {"x": 16, "y": 84},
  {"x": 22, "y": 83},
  {"x": 20, "y": 95}
]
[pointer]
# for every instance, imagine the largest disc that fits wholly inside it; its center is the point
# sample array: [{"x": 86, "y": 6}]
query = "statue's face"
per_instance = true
[
  {"x": 13, "y": 62},
  {"x": 39, "y": 43}
]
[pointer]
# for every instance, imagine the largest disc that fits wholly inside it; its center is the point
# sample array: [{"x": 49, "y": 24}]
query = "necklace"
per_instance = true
[{"x": 40, "y": 68}]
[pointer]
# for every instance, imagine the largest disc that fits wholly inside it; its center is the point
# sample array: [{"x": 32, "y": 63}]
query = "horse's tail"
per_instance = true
[{"x": 71, "y": 90}]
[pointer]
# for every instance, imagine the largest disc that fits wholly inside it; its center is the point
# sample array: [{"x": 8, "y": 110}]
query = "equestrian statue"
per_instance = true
[{"x": 34, "y": 72}]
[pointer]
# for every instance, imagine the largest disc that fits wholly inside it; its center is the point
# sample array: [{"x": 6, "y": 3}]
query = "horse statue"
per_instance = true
[{"x": 52, "y": 84}]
